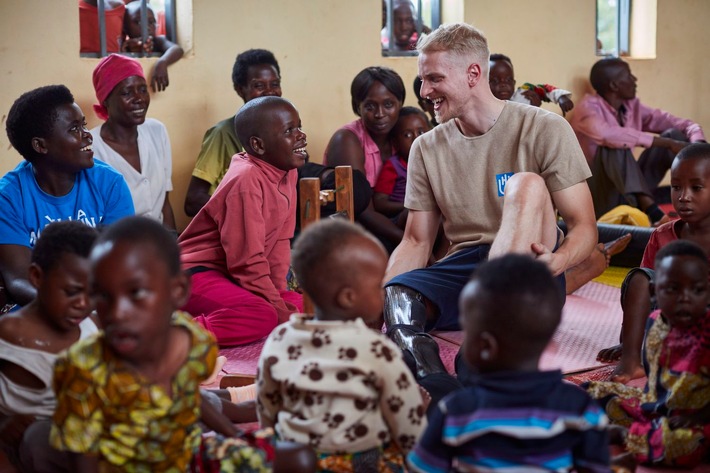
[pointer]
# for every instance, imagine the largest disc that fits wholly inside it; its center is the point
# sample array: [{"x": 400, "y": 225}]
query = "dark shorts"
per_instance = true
[{"x": 443, "y": 282}]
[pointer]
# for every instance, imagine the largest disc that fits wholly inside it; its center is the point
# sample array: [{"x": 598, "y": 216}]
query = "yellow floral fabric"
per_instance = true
[{"x": 106, "y": 408}]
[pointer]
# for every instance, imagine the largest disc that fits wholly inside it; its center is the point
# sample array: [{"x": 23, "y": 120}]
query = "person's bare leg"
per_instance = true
[
  {"x": 528, "y": 216},
  {"x": 636, "y": 307},
  {"x": 595, "y": 264}
]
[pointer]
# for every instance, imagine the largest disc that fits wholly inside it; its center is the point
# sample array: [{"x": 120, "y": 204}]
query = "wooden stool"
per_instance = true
[{"x": 312, "y": 198}]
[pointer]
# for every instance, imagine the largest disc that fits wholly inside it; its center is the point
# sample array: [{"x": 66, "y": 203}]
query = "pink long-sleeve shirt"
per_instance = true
[
  {"x": 245, "y": 228},
  {"x": 595, "y": 124}
]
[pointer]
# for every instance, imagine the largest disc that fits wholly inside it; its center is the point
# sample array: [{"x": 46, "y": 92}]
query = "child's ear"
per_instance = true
[
  {"x": 613, "y": 87},
  {"x": 180, "y": 289},
  {"x": 38, "y": 144},
  {"x": 257, "y": 145},
  {"x": 35, "y": 275},
  {"x": 346, "y": 297},
  {"x": 488, "y": 346}
]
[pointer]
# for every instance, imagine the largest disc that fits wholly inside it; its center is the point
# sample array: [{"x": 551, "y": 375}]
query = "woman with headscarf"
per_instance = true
[{"x": 136, "y": 146}]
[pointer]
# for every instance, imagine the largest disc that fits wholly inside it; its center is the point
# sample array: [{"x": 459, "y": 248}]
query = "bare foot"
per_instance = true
[
  {"x": 618, "y": 245},
  {"x": 625, "y": 371},
  {"x": 593, "y": 266},
  {"x": 608, "y": 355}
]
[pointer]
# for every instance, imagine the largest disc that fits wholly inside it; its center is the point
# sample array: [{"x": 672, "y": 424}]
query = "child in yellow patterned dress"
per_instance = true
[{"x": 129, "y": 397}]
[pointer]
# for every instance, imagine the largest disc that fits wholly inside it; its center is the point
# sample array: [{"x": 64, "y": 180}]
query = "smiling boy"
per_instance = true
[
  {"x": 59, "y": 180},
  {"x": 237, "y": 248}
]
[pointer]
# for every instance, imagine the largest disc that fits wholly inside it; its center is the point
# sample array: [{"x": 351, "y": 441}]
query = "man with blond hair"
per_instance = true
[{"x": 494, "y": 172}]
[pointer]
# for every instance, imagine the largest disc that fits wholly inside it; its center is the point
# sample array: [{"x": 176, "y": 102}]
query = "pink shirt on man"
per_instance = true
[
  {"x": 244, "y": 229},
  {"x": 595, "y": 123}
]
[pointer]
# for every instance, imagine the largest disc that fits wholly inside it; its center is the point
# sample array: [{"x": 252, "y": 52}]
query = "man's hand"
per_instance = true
[{"x": 555, "y": 262}]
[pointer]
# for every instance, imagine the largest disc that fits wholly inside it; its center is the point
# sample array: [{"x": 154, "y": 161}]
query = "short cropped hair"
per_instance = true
[
  {"x": 409, "y": 110},
  {"x": 136, "y": 230},
  {"x": 364, "y": 79},
  {"x": 251, "y": 57},
  {"x": 253, "y": 118},
  {"x": 460, "y": 39},
  {"x": 314, "y": 249},
  {"x": 33, "y": 115},
  {"x": 603, "y": 72},
  {"x": 60, "y": 238},
  {"x": 529, "y": 299},
  {"x": 681, "y": 248},
  {"x": 694, "y": 151},
  {"x": 500, "y": 57}
]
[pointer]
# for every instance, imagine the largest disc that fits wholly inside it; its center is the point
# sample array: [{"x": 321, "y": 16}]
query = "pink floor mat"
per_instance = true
[
  {"x": 591, "y": 320},
  {"x": 242, "y": 359}
]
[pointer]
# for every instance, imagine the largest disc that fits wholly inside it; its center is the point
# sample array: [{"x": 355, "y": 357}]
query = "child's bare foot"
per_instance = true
[
  {"x": 608, "y": 355},
  {"x": 627, "y": 370}
]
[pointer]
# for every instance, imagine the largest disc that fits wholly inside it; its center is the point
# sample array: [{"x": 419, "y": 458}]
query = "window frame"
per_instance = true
[
  {"x": 170, "y": 29},
  {"x": 621, "y": 47}
]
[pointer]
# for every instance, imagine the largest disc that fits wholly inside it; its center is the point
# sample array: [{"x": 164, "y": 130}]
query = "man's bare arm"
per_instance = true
[
  {"x": 414, "y": 250},
  {"x": 575, "y": 206}
]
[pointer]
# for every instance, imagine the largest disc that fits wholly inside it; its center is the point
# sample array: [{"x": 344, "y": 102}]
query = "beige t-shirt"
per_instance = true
[{"x": 464, "y": 177}]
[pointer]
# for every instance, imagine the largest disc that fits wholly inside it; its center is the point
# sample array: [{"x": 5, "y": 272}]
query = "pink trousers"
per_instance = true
[{"x": 234, "y": 315}]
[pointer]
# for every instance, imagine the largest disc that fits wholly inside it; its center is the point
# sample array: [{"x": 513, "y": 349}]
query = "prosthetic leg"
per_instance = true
[{"x": 406, "y": 317}]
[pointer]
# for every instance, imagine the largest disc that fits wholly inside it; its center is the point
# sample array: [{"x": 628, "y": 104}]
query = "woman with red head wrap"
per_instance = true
[{"x": 136, "y": 146}]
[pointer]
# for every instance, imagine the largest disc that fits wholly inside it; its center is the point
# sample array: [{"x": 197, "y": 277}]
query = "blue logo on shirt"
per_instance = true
[{"x": 501, "y": 180}]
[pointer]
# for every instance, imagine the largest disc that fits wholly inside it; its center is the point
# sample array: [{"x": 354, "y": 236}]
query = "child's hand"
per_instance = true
[
  {"x": 534, "y": 99},
  {"x": 565, "y": 104},
  {"x": 135, "y": 45},
  {"x": 159, "y": 79}
]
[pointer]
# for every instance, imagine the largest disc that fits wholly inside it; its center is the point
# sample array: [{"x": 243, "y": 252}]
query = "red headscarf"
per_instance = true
[{"x": 108, "y": 74}]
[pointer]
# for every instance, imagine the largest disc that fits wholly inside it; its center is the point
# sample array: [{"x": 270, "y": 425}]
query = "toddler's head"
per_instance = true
[
  {"x": 269, "y": 128},
  {"x": 509, "y": 311},
  {"x": 411, "y": 123},
  {"x": 501, "y": 76},
  {"x": 59, "y": 270},
  {"x": 137, "y": 284},
  {"x": 690, "y": 183},
  {"x": 341, "y": 267},
  {"x": 681, "y": 283}
]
